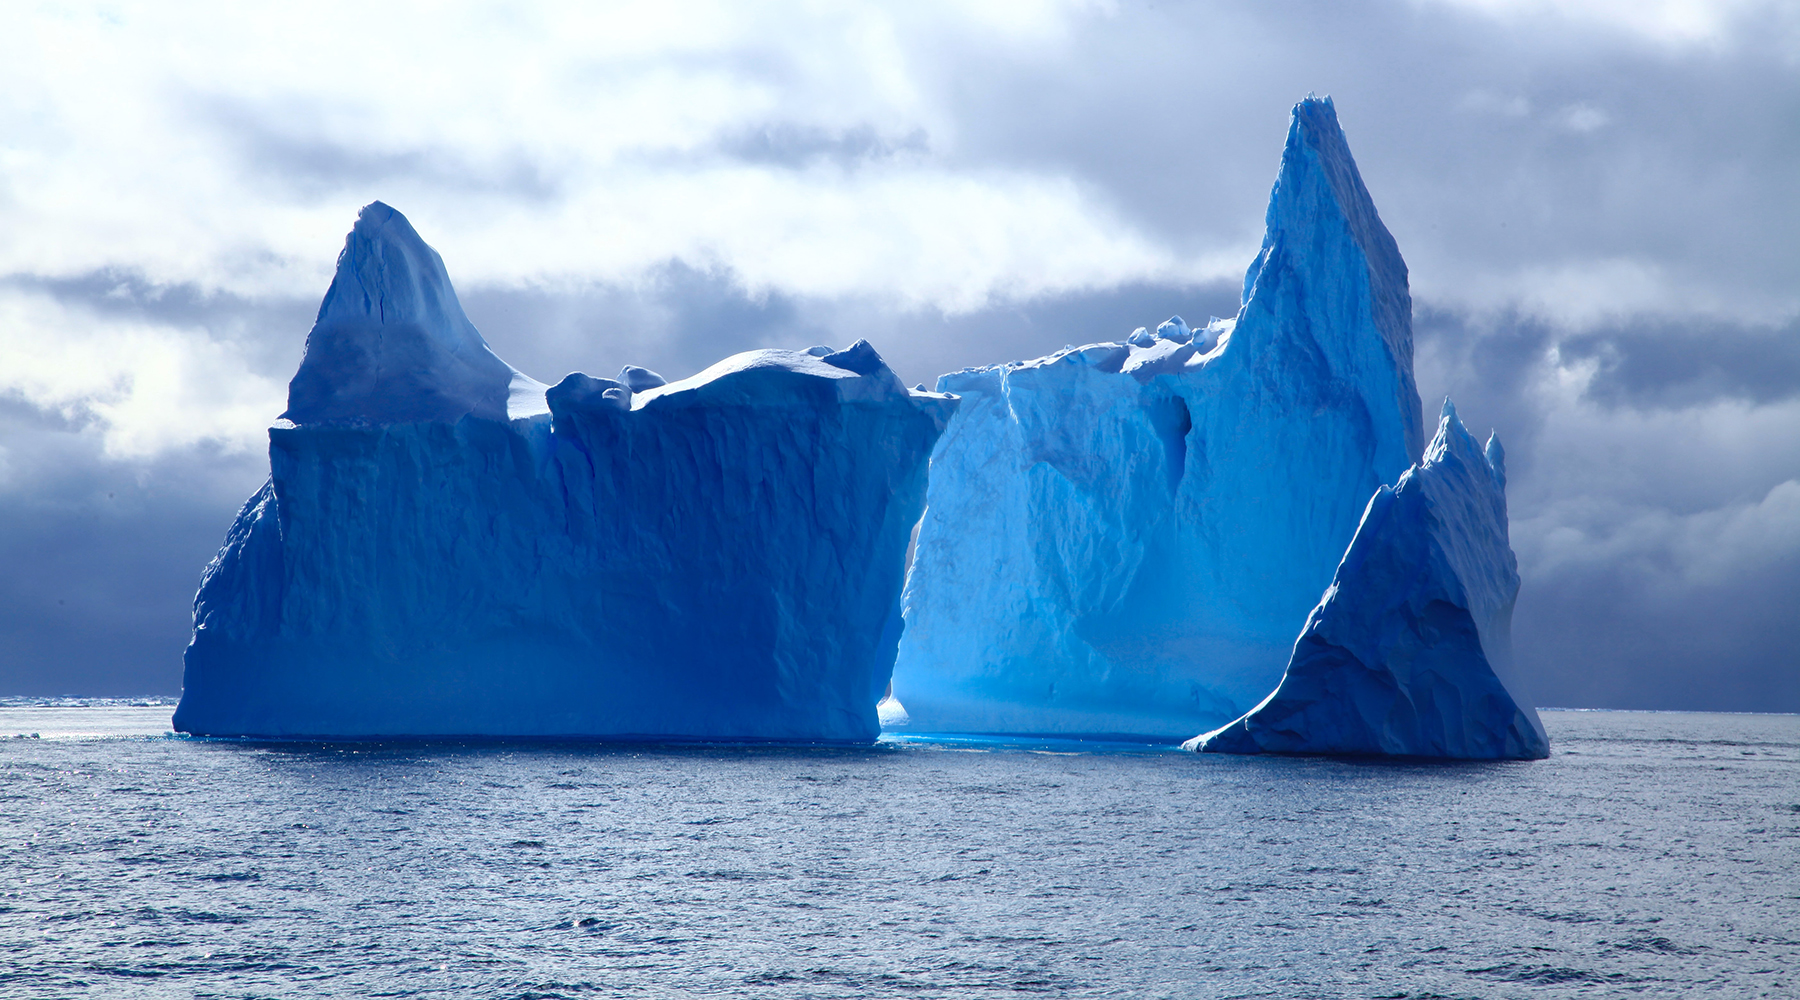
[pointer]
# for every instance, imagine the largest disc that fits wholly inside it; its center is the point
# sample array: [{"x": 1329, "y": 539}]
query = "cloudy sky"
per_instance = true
[{"x": 1600, "y": 206}]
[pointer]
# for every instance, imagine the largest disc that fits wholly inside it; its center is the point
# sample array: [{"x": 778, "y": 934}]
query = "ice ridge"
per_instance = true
[{"x": 1407, "y": 654}]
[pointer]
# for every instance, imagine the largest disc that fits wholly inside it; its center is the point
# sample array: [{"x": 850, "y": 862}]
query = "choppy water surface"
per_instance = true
[{"x": 1653, "y": 855}]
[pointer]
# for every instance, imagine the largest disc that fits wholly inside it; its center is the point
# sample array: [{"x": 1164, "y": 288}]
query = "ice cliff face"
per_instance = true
[
  {"x": 1407, "y": 652},
  {"x": 445, "y": 547},
  {"x": 1122, "y": 538}
]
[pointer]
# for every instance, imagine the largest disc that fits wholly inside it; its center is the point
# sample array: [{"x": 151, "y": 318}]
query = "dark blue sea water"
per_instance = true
[{"x": 1652, "y": 855}]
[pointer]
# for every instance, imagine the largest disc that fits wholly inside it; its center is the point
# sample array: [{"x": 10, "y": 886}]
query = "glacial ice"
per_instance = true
[
  {"x": 1122, "y": 538},
  {"x": 447, "y": 548},
  {"x": 1407, "y": 652},
  {"x": 391, "y": 344}
]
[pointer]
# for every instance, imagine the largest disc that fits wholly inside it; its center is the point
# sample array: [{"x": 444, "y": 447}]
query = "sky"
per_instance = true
[{"x": 1599, "y": 204}]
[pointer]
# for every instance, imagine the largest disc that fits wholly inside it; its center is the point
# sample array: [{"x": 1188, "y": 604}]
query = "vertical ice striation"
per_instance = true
[
  {"x": 1122, "y": 538},
  {"x": 446, "y": 548},
  {"x": 1407, "y": 652}
]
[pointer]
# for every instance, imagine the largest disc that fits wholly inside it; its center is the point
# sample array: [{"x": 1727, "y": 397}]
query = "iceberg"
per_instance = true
[
  {"x": 446, "y": 547},
  {"x": 1406, "y": 653},
  {"x": 1121, "y": 538}
]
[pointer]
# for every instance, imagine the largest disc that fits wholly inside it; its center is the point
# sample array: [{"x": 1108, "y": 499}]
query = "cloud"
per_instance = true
[
  {"x": 102, "y": 556},
  {"x": 1490, "y": 102},
  {"x": 228, "y": 148},
  {"x": 141, "y": 387},
  {"x": 1671, "y": 553},
  {"x": 946, "y": 156},
  {"x": 1674, "y": 23},
  {"x": 1658, "y": 364},
  {"x": 1654, "y": 507},
  {"x": 1638, "y": 606}
]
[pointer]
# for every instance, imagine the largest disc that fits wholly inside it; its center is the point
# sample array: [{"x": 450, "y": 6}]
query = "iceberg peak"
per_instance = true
[
  {"x": 1408, "y": 652},
  {"x": 391, "y": 343},
  {"x": 1453, "y": 440},
  {"x": 1496, "y": 458},
  {"x": 1122, "y": 538},
  {"x": 1322, "y": 226}
]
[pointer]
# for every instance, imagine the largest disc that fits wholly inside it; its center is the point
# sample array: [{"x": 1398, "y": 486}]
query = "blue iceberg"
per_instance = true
[
  {"x": 1407, "y": 652},
  {"x": 1122, "y": 538},
  {"x": 446, "y": 547}
]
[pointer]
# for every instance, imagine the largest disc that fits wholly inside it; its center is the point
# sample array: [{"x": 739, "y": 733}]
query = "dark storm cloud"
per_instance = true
[
  {"x": 103, "y": 557},
  {"x": 1614, "y": 610},
  {"x": 1630, "y": 635},
  {"x": 100, "y": 556},
  {"x": 1491, "y": 364},
  {"x": 1675, "y": 365},
  {"x": 1487, "y": 145},
  {"x": 270, "y": 329},
  {"x": 123, "y": 293},
  {"x": 1488, "y": 365}
]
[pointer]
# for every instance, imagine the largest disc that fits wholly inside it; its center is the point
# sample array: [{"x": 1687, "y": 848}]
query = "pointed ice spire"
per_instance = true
[
  {"x": 1407, "y": 653},
  {"x": 391, "y": 343},
  {"x": 1323, "y": 235},
  {"x": 1453, "y": 438},
  {"x": 1458, "y": 477},
  {"x": 1496, "y": 456}
]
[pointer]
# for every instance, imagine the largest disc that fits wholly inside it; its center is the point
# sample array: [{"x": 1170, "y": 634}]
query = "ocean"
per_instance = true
[{"x": 1652, "y": 855}]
